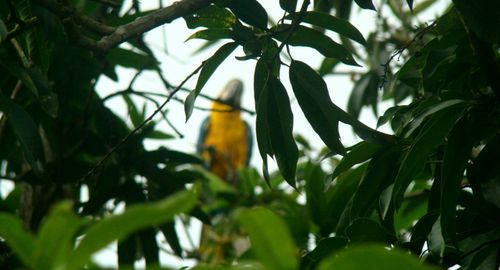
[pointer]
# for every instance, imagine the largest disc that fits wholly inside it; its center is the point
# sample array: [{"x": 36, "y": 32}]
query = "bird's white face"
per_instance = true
[{"x": 232, "y": 92}]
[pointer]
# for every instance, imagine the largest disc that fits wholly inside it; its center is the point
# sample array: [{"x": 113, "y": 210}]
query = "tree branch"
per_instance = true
[{"x": 115, "y": 36}]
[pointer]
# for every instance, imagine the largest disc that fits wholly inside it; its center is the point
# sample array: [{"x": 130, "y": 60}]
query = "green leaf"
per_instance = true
[
  {"x": 135, "y": 116},
  {"x": 366, "y": 230},
  {"x": 261, "y": 80},
  {"x": 211, "y": 17},
  {"x": 308, "y": 37},
  {"x": 456, "y": 155},
  {"x": 56, "y": 237},
  {"x": 379, "y": 174},
  {"x": 410, "y": 4},
  {"x": 270, "y": 238},
  {"x": 20, "y": 241},
  {"x": 160, "y": 135},
  {"x": 360, "y": 153},
  {"x": 280, "y": 119},
  {"x": 131, "y": 59},
  {"x": 340, "y": 26},
  {"x": 136, "y": 217},
  {"x": 373, "y": 257},
  {"x": 27, "y": 133},
  {"x": 209, "y": 67},
  {"x": 47, "y": 99},
  {"x": 339, "y": 197},
  {"x": 249, "y": 11},
  {"x": 312, "y": 94},
  {"x": 325, "y": 247},
  {"x": 480, "y": 16},
  {"x": 365, "y": 4},
  {"x": 288, "y": 5},
  {"x": 431, "y": 135},
  {"x": 21, "y": 74},
  {"x": 315, "y": 193},
  {"x": 3, "y": 31},
  {"x": 211, "y": 34}
]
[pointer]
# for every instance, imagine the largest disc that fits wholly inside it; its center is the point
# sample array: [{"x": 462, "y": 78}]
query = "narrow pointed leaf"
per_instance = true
[
  {"x": 288, "y": 5},
  {"x": 249, "y": 11},
  {"x": 340, "y": 26},
  {"x": 280, "y": 119},
  {"x": 308, "y": 37},
  {"x": 211, "y": 34},
  {"x": 19, "y": 240},
  {"x": 358, "y": 154},
  {"x": 209, "y": 67},
  {"x": 212, "y": 16},
  {"x": 312, "y": 94},
  {"x": 365, "y": 4},
  {"x": 135, "y": 218},
  {"x": 431, "y": 135}
]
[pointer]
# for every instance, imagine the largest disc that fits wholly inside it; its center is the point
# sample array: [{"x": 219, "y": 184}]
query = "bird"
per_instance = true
[{"x": 225, "y": 140}]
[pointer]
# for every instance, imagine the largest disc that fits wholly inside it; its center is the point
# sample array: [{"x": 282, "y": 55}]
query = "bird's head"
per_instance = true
[{"x": 232, "y": 92}]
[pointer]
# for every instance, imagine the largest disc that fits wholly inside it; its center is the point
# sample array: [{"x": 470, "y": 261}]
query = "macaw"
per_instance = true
[{"x": 225, "y": 140}]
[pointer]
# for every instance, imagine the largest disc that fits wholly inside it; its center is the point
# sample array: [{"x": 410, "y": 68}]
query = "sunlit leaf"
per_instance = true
[
  {"x": 270, "y": 238},
  {"x": 135, "y": 218},
  {"x": 212, "y": 16},
  {"x": 211, "y": 34},
  {"x": 19, "y": 240},
  {"x": 209, "y": 67},
  {"x": 56, "y": 237},
  {"x": 372, "y": 257}
]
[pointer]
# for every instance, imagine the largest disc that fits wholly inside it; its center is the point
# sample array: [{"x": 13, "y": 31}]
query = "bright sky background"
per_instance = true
[{"x": 179, "y": 62}]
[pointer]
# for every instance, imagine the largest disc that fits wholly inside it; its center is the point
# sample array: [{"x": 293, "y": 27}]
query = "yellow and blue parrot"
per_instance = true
[{"x": 225, "y": 140}]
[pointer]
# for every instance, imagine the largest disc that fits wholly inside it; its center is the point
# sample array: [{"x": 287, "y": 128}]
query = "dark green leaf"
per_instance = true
[
  {"x": 431, "y": 135},
  {"x": 211, "y": 17},
  {"x": 326, "y": 247},
  {"x": 327, "y": 66},
  {"x": 209, "y": 67},
  {"x": 130, "y": 59},
  {"x": 308, "y": 37},
  {"x": 160, "y": 135},
  {"x": 288, "y": 5},
  {"x": 280, "y": 119},
  {"x": 135, "y": 218},
  {"x": 365, "y": 4},
  {"x": 135, "y": 116},
  {"x": 315, "y": 193},
  {"x": 270, "y": 238},
  {"x": 372, "y": 257},
  {"x": 172, "y": 238},
  {"x": 21, "y": 74},
  {"x": 48, "y": 100},
  {"x": 358, "y": 154},
  {"x": 365, "y": 230},
  {"x": 312, "y": 94},
  {"x": 27, "y": 132},
  {"x": 481, "y": 16},
  {"x": 261, "y": 92},
  {"x": 3, "y": 31},
  {"x": 249, "y": 11},
  {"x": 410, "y": 4},
  {"x": 211, "y": 34},
  {"x": 20, "y": 241},
  {"x": 340, "y": 26},
  {"x": 456, "y": 156}
]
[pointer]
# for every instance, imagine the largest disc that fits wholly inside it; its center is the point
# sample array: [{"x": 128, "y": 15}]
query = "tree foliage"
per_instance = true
[{"x": 429, "y": 191}]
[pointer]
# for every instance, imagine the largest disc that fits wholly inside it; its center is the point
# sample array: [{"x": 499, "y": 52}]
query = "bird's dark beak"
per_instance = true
[{"x": 232, "y": 92}]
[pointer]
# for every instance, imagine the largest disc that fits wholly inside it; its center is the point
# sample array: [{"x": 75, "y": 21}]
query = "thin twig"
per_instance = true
[
  {"x": 399, "y": 51},
  {"x": 135, "y": 130}
]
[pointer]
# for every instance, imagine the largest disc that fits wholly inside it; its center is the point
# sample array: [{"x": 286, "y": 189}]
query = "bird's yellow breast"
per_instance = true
[{"x": 226, "y": 146}]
